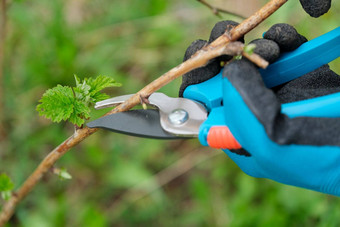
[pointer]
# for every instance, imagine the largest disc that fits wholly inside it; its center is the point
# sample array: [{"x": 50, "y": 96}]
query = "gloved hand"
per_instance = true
[{"x": 301, "y": 151}]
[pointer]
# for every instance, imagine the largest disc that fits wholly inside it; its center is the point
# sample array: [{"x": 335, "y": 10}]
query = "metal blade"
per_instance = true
[
  {"x": 111, "y": 102},
  {"x": 141, "y": 123}
]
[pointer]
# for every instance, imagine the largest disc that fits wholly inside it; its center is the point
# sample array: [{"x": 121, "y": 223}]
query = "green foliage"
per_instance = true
[
  {"x": 6, "y": 186},
  {"x": 73, "y": 104}
]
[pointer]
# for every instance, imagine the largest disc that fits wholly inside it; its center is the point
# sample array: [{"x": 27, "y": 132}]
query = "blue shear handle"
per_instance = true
[
  {"x": 208, "y": 92},
  {"x": 308, "y": 57},
  {"x": 324, "y": 106}
]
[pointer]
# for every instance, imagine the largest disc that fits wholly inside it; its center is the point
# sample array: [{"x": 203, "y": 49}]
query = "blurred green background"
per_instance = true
[{"x": 120, "y": 180}]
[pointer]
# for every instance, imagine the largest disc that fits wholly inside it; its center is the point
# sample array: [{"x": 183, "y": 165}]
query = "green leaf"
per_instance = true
[
  {"x": 77, "y": 79},
  {"x": 101, "y": 82},
  {"x": 98, "y": 84},
  {"x": 100, "y": 96},
  {"x": 6, "y": 186},
  {"x": 82, "y": 90},
  {"x": 72, "y": 104},
  {"x": 57, "y": 103},
  {"x": 80, "y": 114}
]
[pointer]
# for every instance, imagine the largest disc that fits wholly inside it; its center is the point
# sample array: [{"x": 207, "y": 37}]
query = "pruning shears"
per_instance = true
[{"x": 201, "y": 113}]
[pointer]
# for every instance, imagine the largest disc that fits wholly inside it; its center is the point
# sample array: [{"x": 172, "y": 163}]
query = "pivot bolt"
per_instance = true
[{"x": 178, "y": 117}]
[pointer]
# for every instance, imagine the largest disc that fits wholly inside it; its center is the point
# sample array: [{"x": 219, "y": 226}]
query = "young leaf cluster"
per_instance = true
[{"x": 64, "y": 103}]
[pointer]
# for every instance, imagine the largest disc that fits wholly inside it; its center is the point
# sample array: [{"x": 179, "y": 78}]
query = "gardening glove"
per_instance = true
[{"x": 300, "y": 151}]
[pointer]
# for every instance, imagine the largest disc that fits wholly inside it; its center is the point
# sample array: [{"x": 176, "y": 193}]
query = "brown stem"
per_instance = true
[
  {"x": 215, "y": 49},
  {"x": 257, "y": 59},
  {"x": 44, "y": 166},
  {"x": 217, "y": 10}
]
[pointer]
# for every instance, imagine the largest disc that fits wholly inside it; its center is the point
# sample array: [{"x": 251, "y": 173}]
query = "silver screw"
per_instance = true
[{"x": 178, "y": 117}]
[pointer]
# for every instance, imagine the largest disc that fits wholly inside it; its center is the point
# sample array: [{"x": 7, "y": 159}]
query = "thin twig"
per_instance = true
[
  {"x": 202, "y": 56},
  {"x": 198, "y": 60},
  {"x": 217, "y": 10}
]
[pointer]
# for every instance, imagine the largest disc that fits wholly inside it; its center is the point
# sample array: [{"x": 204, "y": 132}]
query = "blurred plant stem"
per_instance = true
[
  {"x": 218, "y": 47},
  {"x": 3, "y": 15},
  {"x": 217, "y": 10}
]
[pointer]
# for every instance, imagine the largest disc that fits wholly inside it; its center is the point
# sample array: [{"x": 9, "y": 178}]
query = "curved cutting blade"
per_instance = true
[{"x": 141, "y": 123}]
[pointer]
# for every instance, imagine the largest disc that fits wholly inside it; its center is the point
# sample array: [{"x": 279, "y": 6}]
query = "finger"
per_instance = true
[
  {"x": 201, "y": 74},
  {"x": 193, "y": 48},
  {"x": 267, "y": 49},
  {"x": 219, "y": 29},
  {"x": 285, "y": 36},
  {"x": 316, "y": 8},
  {"x": 320, "y": 82}
]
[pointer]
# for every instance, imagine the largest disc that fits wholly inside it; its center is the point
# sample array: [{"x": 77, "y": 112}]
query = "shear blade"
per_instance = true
[{"x": 141, "y": 123}]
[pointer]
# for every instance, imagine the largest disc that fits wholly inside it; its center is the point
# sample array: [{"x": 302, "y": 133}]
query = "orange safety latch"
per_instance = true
[{"x": 220, "y": 137}]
